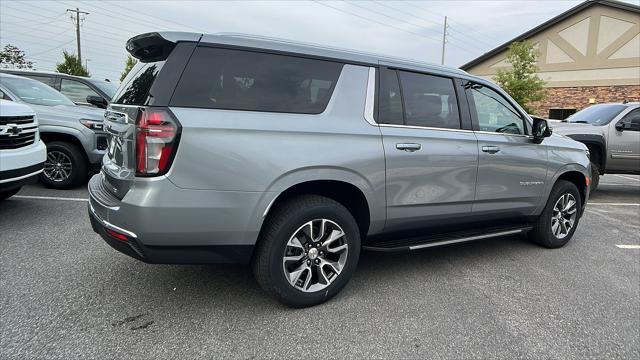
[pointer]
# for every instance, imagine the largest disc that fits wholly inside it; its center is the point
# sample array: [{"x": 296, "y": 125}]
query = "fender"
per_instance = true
[
  {"x": 552, "y": 181},
  {"x": 375, "y": 200},
  {"x": 594, "y": 140}
]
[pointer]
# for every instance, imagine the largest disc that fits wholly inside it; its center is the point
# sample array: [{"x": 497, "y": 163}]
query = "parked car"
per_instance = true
[
  {"x": 22, "y": 153},
  {"x": 612, "y": 134},
  {"x": 81, "y": 90},
  {"x": 73, "y": 134},
  {"x": 291, "y": 157}
]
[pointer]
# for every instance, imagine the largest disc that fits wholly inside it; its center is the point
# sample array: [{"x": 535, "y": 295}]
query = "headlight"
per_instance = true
[{"x": 92, "y": 124}]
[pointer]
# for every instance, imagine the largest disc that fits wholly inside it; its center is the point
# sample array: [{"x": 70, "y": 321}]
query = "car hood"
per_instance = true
[
  {"x": 566, "y": 128},
  {"x": 68, "y": 111}
]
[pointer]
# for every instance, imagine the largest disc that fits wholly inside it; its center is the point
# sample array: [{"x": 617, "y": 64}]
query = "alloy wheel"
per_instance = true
[
  {"x": 58, "y": 166},
  {"x": 564, "y": 215},
  {"x": 315, "y": 255}
]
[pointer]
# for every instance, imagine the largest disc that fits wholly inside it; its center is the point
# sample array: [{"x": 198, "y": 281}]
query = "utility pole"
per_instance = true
[
  {"x": 444, "y": 39},
  {"x": 76, "y": 21}
]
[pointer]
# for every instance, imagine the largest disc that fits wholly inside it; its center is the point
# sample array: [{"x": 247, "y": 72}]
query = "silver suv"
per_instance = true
[
  {"x": 291, "y": 157},
  {"x": 612, "y": 134}
]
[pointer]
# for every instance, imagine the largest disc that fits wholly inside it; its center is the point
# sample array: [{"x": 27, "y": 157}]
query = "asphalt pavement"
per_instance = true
[{"x": 65, "y": 294}]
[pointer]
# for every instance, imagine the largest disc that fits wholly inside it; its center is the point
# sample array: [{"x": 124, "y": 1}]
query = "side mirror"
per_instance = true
[
  {"x": 98, "y": 101},
  {"x": 540, "y": 129}
]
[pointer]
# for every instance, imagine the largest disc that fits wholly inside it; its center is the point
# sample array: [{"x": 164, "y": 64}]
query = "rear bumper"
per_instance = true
[
  {"x": 240, "y": 254},
  {"x": 166, "y": 224}
]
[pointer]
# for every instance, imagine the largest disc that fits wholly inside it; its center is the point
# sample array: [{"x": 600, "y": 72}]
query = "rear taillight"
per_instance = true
[{"x": 157, "y": 135}]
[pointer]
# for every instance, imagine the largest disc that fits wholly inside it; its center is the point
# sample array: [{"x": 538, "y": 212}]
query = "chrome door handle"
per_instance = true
[
  {"x": 408, "y": 147},
  {"x": 490, "y": 149}
]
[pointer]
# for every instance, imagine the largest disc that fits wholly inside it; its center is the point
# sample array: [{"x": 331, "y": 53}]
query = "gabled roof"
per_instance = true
[{"x": 574, "y": 10}]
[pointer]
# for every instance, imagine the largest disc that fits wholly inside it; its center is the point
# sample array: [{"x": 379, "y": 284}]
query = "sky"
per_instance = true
[{"x": 407, "y": 29}]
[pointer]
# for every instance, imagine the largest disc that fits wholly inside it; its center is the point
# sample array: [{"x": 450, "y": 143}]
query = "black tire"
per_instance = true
[
  {"x": 9, "y": 193},
  {"x": 280, "y": 226},
  {"x": 78, "y": 173},
  {"x": 542, "y": 233},
  {"x": 595, "y": 177}
]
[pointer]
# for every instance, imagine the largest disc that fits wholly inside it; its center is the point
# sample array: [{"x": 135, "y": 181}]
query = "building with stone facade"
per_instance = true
[{"x": 589, "y": 54}]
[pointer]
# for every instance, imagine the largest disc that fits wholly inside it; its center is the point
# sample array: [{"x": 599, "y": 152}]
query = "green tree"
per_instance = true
[
  {"x": 71, "y": 65},
  {"x": 521, "y": 81},
  {"x": 12, "y": 57},
  {"x": 131, "y": 62}
]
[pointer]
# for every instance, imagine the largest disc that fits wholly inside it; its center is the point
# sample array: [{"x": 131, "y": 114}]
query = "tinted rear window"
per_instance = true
[
  {"x": 245, "y": 80},
  {"x": 135, "y": 87}
]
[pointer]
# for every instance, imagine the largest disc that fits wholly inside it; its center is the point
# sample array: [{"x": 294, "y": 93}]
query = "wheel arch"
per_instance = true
[
  {"x": 576, "y": 174},
  {"x": 345, "y": 193},
  {"x": 597, "y": 148},
  {"x": 69, "y": 136}
]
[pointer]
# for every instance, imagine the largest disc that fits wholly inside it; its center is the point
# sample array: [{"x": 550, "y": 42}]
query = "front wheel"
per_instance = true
[
  {"x": 65, "y": 166},
  {"x": 307, "y": 251},
  {"x": 559, "y": 219}
]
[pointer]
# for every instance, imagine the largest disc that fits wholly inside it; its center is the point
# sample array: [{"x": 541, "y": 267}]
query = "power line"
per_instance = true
[
  {"x": 391, "y": 17},
  {"x": 77, "y": 24},
  {"x": 381, "y": 23}
]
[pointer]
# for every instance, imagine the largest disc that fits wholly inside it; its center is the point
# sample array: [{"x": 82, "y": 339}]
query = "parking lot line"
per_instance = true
[
  {"x": 610, "y": 184},
  {"x": 627, "y": 177},
  {"x": 613, "y": 204},
  {"x": 628, "y": 246},
  {"x": 48, "y": 198}
]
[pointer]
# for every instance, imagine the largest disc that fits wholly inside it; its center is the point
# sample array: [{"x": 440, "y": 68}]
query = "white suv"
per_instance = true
[{"x": 22, "y": 153}]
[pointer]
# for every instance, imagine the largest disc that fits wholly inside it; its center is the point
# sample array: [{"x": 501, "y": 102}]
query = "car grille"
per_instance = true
[{"x": 17, "y": 131}]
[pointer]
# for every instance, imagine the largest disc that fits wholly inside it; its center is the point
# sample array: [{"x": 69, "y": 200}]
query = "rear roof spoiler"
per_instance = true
[{"x": 157, "y": 46}]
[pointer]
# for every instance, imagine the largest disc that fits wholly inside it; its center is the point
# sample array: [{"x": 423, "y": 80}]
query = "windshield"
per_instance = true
[
  {"x": 35, "y": 92},
  {"x": 597, "y": 114},
  {"x": 107, "y": 87}
]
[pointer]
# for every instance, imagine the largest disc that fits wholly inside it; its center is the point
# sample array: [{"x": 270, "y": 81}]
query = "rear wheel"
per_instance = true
[
  {"x": 9, "y": 193},
  {"x": 65, "y": 166},
  {"x": 308, "y": 251},
  {"x": 559, "y": 219}
]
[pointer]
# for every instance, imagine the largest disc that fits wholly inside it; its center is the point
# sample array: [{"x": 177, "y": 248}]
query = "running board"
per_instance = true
[{"x": 416, "y": 243}]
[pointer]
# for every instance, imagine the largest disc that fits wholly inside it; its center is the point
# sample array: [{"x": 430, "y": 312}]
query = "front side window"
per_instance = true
[
  {"x": 631, "y": 121},
  {"x": 76, "y": 91},
  {"x": 494, "y": 112},
  {"x": 429, "y": 101},
  {"x": 253, "y": 81}
]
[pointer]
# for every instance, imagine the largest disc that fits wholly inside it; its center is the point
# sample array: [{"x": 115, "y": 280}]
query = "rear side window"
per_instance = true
[
  {"x": 389, "y": 99},
  {"x": 135, "y": 87},
  {"x": 245, "y": 80},
  {"x": 429, "y": 101},
  {"x": 49, "y": 80}
]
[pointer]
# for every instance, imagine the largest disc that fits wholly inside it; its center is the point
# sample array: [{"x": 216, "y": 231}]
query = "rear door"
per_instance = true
[
  {"x": 149, "y": 84},
  {"x": 431, "y": 159},
  {"x": 511, "y": 168}
]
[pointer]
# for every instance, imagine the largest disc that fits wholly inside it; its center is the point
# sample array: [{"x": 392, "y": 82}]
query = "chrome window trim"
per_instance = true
[
  {"x": 504, "y": 134},
  {"x": 369, "y": 102},
  {"x": 424, "y": 128}
]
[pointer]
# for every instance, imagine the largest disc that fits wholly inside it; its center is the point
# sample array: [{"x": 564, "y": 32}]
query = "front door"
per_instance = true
[
  {"x": 624, "y": 143},
  {"x": 431, "y": 162},
  {"x": 512, "y": 168}
]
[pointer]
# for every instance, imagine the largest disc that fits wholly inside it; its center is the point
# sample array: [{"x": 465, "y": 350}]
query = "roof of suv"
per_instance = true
[{"x": 289, "y": 46}]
